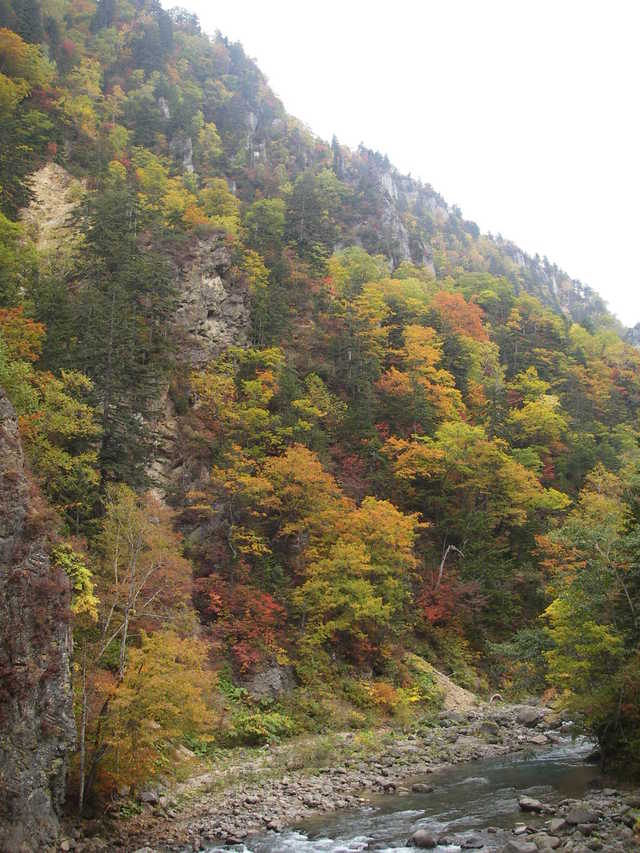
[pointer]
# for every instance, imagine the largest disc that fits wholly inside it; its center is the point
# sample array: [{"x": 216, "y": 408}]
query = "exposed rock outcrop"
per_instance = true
[
  {"x": 56, "y": 195},
  {"x": 36, "y": 715},
  {"x": 271, "y": 683},
  {"x": 213, "y": 306},
  {"x": 212, "y": 314},
  {"x": 633, "y": 336}
]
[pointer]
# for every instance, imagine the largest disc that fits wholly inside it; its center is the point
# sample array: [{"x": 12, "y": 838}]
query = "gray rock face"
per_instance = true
[
  {"x": 271, "y": 683},
  {"x": 212, "y": 314},
  {"x": 36, "y": 715},
  {"x": 633, "y": 335},
  {"x": 182, "y": 149},
  {"x": 213, "y": 308}
]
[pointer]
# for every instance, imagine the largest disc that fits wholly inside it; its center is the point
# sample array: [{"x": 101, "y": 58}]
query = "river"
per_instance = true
[{"x": 475, "y": 802}]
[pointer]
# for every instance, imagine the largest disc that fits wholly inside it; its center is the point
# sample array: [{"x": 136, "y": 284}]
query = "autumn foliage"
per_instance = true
[{"x": 402, "y": 454}]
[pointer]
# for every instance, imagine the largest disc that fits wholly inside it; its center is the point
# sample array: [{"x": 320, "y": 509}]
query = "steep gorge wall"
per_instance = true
[
  {"x": 212, "y": 313},
  {"x": 36, "y": 713},
  {"x": 212, "y": 303},
  {"x": 213, "y": 309}
]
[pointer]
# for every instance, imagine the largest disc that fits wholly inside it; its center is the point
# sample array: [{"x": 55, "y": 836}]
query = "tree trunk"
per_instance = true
[{"x": 83, "y": 731}]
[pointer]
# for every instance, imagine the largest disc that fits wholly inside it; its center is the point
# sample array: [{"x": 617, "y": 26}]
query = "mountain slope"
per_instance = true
[{"x": 306, "y": 432}]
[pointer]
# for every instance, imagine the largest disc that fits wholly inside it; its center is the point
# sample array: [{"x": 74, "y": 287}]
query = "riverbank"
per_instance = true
[
  {"x": 603, "y": 819},
  {"x": 286, "y": 784}
]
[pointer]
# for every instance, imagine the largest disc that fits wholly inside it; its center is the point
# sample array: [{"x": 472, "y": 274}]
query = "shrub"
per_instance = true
[{"x": 253, "y": 728}]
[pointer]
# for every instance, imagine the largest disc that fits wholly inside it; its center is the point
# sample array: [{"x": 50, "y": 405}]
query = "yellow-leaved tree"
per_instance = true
[{"x": 162, "y": 696}]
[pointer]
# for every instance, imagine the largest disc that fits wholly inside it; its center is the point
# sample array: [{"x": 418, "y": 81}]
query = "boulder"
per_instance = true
[
  {"x": 487, "y": 727},
  {"x": 423, "y": 840},
  {"x": 422, "y": 788},
  {"x": 546, "y": 842},
  {"x": 538, "y": 740},
  {"x": 528, "y": 804},
  {"x": 516, "y": 846},
  {"x": 472, "y": 842},
  {"x": 580, "y": 815},
  {"x": 148, "y": 797},
  {"x": 452, "y": 717},
  {"x": 530, "y": 716}
]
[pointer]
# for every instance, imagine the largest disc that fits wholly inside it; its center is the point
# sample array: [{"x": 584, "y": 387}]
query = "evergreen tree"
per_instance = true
[
  {"x": 29, "y": 20},
  {"x": 104, "y": 16},
  {"x": 121, "y": 320}
]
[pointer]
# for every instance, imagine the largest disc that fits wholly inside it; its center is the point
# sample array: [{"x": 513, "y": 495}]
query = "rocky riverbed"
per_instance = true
[
  {"x": 604, "y": 819},
  {"x": 289, "y": 787}
]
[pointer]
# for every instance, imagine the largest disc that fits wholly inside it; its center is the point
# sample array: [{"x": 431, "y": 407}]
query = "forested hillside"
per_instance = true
[{"x": 303, "y": 430}]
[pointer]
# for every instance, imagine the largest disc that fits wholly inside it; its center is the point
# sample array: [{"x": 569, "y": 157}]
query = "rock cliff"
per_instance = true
[
  {"x": 212, "y": 313},
  {"x": 213, "y": 308},
  {"x": 36, "y": 713}
]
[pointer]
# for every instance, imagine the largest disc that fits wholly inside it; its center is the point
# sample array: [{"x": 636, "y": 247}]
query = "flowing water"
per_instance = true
[{"x": 468, "y": 800}]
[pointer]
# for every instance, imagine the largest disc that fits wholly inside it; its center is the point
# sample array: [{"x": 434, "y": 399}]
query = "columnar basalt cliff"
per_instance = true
[{"x": 36, "y": 714}]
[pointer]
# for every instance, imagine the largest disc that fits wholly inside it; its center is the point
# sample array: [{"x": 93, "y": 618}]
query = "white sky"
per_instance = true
[{"x": 522, "y": 112}]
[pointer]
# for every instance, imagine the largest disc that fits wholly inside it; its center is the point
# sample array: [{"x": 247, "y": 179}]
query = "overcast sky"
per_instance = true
[{"x": 522, "y": 112}]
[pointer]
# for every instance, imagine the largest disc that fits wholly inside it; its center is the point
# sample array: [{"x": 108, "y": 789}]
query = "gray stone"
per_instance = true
[
  {"x": 528, "y": 804},
  {"x": 422, "y": 788},
  {"x": 546, "y": 842},
  {"x": 487, "y": 727},
  {"x": 557, "y": 824},
  {"x": 516, "y": 846},
  {"x": 538, "y": 740},
  {"x": 149, "y": 797},
  {"x": 530, "y": 716},
  {"x": 581, "y": 815},
  {"x": 424, "y": 840},
  {"x": 472, "y": 842}
]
